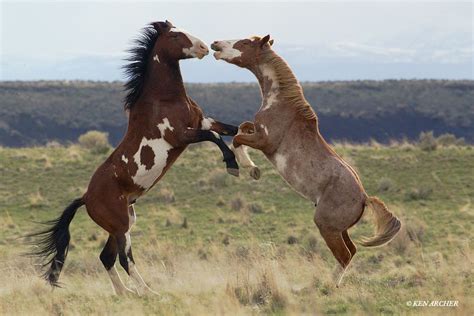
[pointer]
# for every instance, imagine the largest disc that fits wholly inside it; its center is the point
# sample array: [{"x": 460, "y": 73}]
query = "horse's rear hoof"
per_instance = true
[
  {"x": 233, "y": 171},
  {"x": 255, "y": 173}
]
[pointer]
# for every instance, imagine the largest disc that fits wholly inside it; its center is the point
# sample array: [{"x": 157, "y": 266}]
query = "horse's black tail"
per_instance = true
[{"x": 52, "y": 244}]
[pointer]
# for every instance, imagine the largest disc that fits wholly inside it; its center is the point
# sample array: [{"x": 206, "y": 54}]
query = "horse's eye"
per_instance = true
[
  {"x": 246, "y": 43},
  {"x": 174, "y": 35}
]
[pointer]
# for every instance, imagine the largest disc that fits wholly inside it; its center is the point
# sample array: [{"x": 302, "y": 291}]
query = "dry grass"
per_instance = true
[{"x": 237, "y": 281}]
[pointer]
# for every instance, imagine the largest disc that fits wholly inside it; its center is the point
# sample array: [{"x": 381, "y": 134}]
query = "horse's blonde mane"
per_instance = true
[{"x": 290, "y": 89}]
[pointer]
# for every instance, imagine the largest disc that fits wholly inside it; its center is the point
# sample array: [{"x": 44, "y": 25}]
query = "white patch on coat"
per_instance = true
[
  {"x": 164, "y": 126},
  {"x": 265, "y": 129},
  {"x": 271, "y": 94},
  {"x": 216, "y": 135},
  {"x": 155, "y": 58},
  {"x": 146, "y": 177},
  {"x": 206, "y": 123},
  {"x": 195, "y": 42},
  {"x": 227, "y": 50},
  {"x": 124, "y": 159},
  {"x": 280, "y": 162}
]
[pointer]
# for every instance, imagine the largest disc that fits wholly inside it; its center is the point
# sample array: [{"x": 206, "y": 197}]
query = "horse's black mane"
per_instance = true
[{"x": 135, "y": 70}]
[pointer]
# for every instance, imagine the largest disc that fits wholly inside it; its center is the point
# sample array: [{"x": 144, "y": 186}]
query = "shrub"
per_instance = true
[
  {"x": 255, "y": 208},
  {"x": 95, "y": 141},
  {"x": 421, "y": 193},
  {"x": 291, "y": 240},
  {"x": 53, "y": 144},
  {"x": 237, "y": 204},
  {"x": 218, "y": 179},
  {"x": 385, "y": 184},
  {"x": 264, "y": 293},
  {"x": 427, "y": 141},
  {"x": 450, "y": 140},
  {"x": 166, "y": 196}
]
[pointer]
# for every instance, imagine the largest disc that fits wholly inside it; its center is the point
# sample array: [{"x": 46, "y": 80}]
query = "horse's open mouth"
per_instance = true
[{"x": 215, "y": 47}]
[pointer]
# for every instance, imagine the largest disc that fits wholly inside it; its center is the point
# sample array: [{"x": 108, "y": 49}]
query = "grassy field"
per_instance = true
[{"x": 213, "y": 244}]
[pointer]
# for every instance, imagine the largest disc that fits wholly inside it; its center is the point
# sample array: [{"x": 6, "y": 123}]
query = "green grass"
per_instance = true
[{"x": 237, "y": 260}]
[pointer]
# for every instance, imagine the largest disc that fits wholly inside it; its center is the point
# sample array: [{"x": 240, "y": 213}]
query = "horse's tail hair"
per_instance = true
[
  {"x": 386, "y": 224},
  {"x": 52, "y": 244}
]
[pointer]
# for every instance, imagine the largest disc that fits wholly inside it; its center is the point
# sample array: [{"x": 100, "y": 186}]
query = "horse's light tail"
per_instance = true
[
  {"x": 52, "y": 244},
  {"x": 386, "y": 224}
]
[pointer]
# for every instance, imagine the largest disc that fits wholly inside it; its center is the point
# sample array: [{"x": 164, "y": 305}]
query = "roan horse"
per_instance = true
[
  {"x": 163, "y": 120},
  {"x": 286, "y": 131}
]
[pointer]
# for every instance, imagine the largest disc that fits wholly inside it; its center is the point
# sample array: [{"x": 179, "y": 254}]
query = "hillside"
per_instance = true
[
  {"x": 33, "y": 113},
  {"x": 248, "y": 247}
]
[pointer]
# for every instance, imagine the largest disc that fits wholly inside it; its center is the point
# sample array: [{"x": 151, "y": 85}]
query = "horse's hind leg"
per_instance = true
[
  {"x": 108, "y": 257},
  {"x": 350, "y": 245},
  {"x": 124, "y": 245},
  {"x": 338, "y": 247},
  {"x": 334, "y": 237}
]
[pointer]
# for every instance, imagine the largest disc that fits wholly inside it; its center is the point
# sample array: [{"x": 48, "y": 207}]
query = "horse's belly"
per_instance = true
[{"x": 298, "y": 178}]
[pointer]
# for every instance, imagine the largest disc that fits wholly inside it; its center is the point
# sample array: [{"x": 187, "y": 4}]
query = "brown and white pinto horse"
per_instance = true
[
  {"x": 286, "y": 131},
  {"x": 163, "y": 120}
]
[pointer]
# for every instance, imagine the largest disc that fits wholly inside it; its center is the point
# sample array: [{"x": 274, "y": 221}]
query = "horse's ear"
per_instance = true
[
  {"x": 169, "y": 23},
  {"x": 270, "y": 42},
  {"x": 160, "y": 26},
  {"x": 264, "y": 40}
]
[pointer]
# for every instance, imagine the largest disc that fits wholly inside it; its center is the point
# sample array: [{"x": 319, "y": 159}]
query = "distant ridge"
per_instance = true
[{"x": 33, "y": 113}]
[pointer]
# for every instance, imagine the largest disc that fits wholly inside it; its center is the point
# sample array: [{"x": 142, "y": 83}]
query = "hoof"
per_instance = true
[
  {"x": 233, "y": 171},
  {"x": 255, "y": 173}
]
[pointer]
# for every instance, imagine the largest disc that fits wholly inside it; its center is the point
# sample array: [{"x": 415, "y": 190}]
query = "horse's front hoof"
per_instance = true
[
  {"x": 255, "y": 173},
  {"x": 233, "y": 171}
]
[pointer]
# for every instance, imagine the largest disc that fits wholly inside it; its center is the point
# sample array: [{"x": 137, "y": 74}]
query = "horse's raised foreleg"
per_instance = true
[
  {"x": 241, "y": 153},
  {"x": 198, "y": 135},
  {"x": 220, "y": 128}
]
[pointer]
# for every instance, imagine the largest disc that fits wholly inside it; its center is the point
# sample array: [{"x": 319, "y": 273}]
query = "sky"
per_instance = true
[{"x": 337, "y": 40}]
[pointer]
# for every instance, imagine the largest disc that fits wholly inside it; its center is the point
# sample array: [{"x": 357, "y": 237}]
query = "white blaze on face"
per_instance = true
[
  {"x": 155, "y": 58},
  {"x": 124, "y": 159},
  {"x": 271, "y": 93},
  {"x": 195, "y": 50},
  {"x": 206, "y": 123},
  {"x": 227, "y": 50},
  {"x": 146, "y": 177},
  {"x": 280, "y": 162}
]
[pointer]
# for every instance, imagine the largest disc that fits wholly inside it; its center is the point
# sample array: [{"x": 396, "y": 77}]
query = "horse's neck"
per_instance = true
[
  {"x": 163, "y": 87},
  {"x": 164, "y": 82},
  {"x": 267, "y": 80}
]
